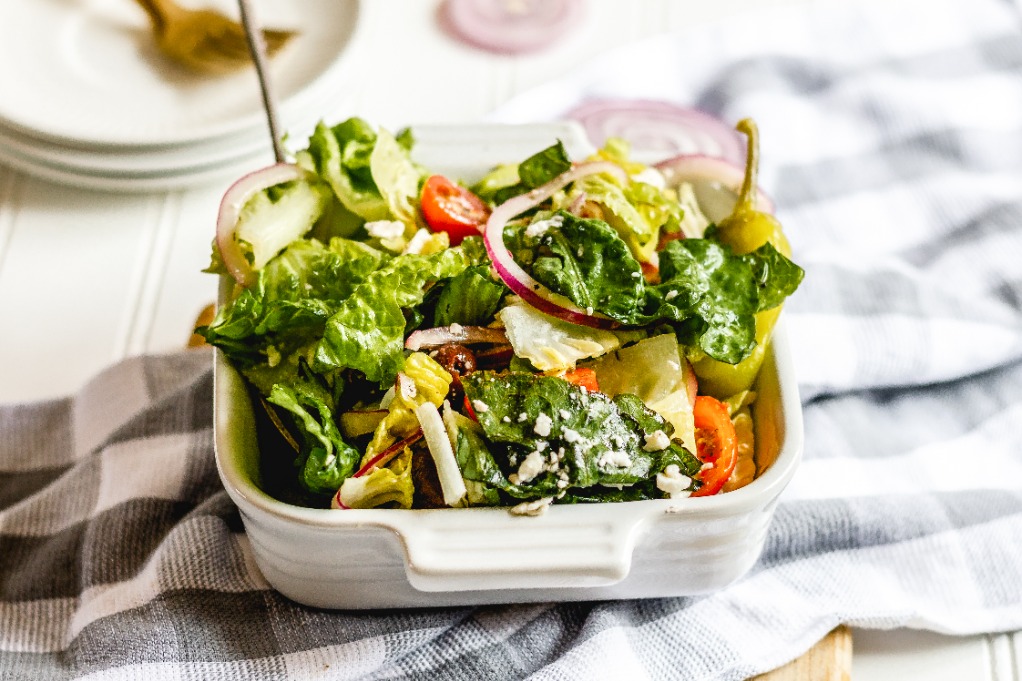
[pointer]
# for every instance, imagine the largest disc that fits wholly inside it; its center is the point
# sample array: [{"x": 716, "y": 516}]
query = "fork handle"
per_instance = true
[{"x": 158, "y": 12}]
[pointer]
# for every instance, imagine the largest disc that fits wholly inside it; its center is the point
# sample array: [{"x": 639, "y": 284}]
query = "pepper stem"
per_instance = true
[{"x": 747, "y": 197}]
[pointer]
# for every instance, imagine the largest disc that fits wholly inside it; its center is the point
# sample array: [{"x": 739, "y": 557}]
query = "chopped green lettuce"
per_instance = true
[
  {"x": 370, "y": 172},
  {"x": 325, "y": 460},
  {"x": 367, "y": 332},
  {"x": 470, "y": 298},
  {"x": 389, "y": 485}
]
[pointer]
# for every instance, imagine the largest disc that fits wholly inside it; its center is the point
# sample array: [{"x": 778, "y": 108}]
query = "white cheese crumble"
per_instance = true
[
  {"x": 532, "y": 508},
  {"x": 530, "y": 468},
  {"x": 417, "y": 242},
  {"x": 540, "y": 227},
  {"x": 385, "y": 229},
  {"x": 656, "y": 441},
  {"x": 479, "y": 406},
  {"x": 671, "y": 295},
  {"x": 673, "y": 483},
  {"x": 565, "y": 414},
  {"x": 614, "y": 459},
  {"x": 571, "y": 435},
  {"x": 542, "y": 427},
  {"x": 522, "y": 417},
  {"x": 457, "y": 328}
]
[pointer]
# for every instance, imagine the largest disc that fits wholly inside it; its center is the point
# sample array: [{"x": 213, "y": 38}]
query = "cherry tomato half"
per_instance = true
[
  {"x": 716, "y": 443},
  {"x": 448, "y": 207}
]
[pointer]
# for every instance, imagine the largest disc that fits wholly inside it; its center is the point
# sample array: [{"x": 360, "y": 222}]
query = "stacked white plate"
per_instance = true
[{"x": 86, "y": 100}]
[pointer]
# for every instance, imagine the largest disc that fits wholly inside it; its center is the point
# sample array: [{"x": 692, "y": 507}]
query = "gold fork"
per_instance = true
[{"x": 204, "y": 40}]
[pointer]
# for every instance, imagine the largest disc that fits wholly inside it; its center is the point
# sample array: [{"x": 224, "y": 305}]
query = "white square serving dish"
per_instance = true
[{"x": 384, "y": 558}]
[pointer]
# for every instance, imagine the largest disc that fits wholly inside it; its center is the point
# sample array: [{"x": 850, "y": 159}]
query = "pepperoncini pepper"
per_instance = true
[{"x": 745, "y": 230}]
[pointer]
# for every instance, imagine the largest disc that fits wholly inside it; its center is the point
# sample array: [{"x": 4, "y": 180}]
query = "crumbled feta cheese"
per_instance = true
[
  {"x": 671, "y": 295},
  {"x": 565, "y": 414},
  {"x": 480, "y": 406},
  {"x": 636, "y": 275},
  {"x": 613, "y": 458},
  {"x": 673, "y": 483},
  {"x": 651, "y": 176},
  {"x": 522, "y": 417},
  {"x": 417, "y": 242},
  {"x": 540, "y": 227},
  {"x": 572, "y": 435},
  {"x": 506, "y": 419},
  {"x": 542, "y": 427},
  {"x": 457, "y": 328},
  {"x": 656, "y": 441},
  {"x": 531, "y": 467},
  {"x": 706, "y": 466},
  {"x": 385, "y": 229},
  {"x": 532, "y": 508}
]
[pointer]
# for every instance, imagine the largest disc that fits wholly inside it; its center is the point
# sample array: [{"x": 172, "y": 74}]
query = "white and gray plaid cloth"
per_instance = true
[{"x": 892, "y": 143}]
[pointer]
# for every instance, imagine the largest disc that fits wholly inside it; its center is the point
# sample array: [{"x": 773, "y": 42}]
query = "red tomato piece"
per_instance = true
[
  {"x": 582, "y": 377},
  {"x": 448, "y": 207},
  {"x": 716, "y": 444}
]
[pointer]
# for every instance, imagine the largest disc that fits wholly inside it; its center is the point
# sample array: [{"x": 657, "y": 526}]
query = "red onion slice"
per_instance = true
[
  {"x": 510, "y": 26},
  {"x": 659, "y": 129},
  {"x": 231, "y": 205},
  {"x": 717, "y": 183},
  {"x": 531, "y": 291},
  {"x": 455, "y": 333}
]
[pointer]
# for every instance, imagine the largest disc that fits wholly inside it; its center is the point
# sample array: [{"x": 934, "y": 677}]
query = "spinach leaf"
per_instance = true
[
  {"x": 549, "y": 437},
  {"x": 584, "y": 260},
  {"x": 325, "y": 460}
]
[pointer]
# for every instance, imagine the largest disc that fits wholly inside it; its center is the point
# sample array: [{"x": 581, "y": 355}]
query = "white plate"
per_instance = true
[
  {"x": 379, "y": 558},
  {"x": 134, "y": 181},
  {"x": 86, "y": 72}
]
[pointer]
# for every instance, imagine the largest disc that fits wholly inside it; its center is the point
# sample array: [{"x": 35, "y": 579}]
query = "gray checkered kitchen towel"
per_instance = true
[{"x": 892, "y": 142}]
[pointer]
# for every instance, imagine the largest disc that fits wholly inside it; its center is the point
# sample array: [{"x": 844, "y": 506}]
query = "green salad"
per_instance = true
[{"x": 561, "y": 331}]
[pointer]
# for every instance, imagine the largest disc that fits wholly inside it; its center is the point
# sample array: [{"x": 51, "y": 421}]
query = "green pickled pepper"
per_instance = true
[{"x": 745, "y": 230}]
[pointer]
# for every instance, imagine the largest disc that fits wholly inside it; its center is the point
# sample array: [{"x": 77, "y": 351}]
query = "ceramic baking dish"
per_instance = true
[{"x": 385, "y": 558}]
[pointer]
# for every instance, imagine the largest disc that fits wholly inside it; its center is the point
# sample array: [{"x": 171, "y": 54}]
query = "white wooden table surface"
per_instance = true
[{"x": 88, "y": 278}]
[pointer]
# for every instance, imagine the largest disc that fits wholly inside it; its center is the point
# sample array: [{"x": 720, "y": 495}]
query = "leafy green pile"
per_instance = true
[{"x": 322, "y": 331}]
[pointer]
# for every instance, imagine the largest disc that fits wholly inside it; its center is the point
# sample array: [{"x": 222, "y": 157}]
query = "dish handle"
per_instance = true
[{"x": 497, "y": 550}]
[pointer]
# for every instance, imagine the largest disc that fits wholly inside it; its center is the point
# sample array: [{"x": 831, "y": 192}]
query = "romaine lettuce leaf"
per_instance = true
[
  {"x": 551, "y": 344},
  {"x": 505, "y": 182},
  {"x": 366, "y": 332},
  {"x": 470, "y": 298},
  {"x": 291, "y": 300},
  {"x": 370, "y": 173},
  {"x": 391, "y": 485}
]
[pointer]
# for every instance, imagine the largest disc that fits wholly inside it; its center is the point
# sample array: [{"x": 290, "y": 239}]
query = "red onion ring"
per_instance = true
[
  {"x": 531, "y": 291},
  {"x": 659, "y": 128},
  {"x": 234, "y": 200},
  {"x": 510, "y": 26},
  {"x": 432, "y": 338},
  {"x": 707, "y": 170}
]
